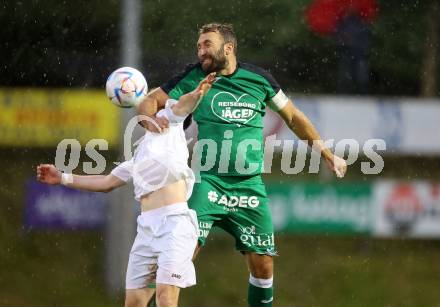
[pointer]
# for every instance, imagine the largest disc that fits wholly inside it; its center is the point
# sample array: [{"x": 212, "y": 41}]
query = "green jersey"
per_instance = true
[{"x": 230, "y": 117}]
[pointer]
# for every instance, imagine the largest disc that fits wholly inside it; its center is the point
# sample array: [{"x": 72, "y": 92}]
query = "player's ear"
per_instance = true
[{"x": 229, "y": 48}]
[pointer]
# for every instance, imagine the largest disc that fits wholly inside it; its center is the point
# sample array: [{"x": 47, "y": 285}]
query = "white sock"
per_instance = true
[{"x": 260, "y": 282}]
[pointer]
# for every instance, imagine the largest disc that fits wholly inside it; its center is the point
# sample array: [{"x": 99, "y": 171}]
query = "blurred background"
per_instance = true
[{"x": 360, "y": 69}]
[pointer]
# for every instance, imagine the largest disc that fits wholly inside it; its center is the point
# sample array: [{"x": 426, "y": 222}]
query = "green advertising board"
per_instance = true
[{"x": 318, "y": 207}]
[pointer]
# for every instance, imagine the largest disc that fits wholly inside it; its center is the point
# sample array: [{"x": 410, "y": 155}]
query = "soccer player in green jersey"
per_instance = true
[{"x": 231, "y": 193}]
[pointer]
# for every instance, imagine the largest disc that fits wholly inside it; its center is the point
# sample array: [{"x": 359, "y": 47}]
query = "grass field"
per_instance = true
[{"x": 67, "y": 268}]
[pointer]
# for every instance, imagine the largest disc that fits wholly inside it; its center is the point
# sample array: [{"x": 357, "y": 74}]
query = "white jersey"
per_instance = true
[{"x": 160, "y": 159}]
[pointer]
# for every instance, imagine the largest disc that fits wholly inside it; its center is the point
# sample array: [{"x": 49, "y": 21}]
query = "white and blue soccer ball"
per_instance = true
[{"x": 126, "y": 87}]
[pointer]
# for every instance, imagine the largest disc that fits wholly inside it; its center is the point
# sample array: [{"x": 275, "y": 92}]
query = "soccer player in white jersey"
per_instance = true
[{"x": 167, "y": 229}]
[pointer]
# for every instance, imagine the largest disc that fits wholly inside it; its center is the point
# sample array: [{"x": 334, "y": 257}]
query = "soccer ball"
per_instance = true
[{"x": 126, "y": 87}]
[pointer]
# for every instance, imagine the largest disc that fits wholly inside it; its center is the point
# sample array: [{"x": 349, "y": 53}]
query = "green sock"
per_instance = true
[
  {"x": 152, "y": 302},
  {"x": 260, "y": 297}
]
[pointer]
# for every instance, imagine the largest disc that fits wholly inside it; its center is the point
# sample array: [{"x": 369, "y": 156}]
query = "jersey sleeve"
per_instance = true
[
  {"x": 181, "y": 83},
  {"x": 124, "y": 170},
  {"x": 276, "y": 99}
]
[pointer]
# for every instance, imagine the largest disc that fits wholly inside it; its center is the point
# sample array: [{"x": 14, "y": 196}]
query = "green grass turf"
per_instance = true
[{"x": 67, "y": 269}]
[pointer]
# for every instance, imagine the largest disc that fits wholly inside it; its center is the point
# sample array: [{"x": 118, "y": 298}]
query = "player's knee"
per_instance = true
[
  {"x": 165, "y": 300},
  {"x": 138, "y": 297},
  {"x": 260, "y": 266},
  {"x": 262, "y": 272},
  {"x": 134, "y": 301}
]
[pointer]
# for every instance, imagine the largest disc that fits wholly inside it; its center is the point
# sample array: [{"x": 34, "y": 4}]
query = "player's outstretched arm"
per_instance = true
[
  {"x": 147, "y": 109},
  {"x": 298, "y": 122},
  {"x": 49, "y": 174},
  {"x": 189, "y": 102}
]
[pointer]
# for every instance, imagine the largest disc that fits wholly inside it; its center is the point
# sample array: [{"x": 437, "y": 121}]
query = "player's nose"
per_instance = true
[{"x": 201, "y": 52}]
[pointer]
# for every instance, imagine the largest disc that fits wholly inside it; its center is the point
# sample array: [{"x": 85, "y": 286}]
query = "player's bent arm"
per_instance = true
[
  {"x": 299, "y": 123},
  {"x": 47, "y": 173},
  {"x": 153, "y": 102}
]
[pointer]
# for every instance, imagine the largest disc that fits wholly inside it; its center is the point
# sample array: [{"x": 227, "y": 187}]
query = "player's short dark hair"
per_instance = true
[{"x": 224, "y": 29}]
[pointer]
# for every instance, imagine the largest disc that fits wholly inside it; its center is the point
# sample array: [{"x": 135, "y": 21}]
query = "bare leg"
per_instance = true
[
  {"x": 196, "y": 251},
  {"x": 138, "y": 297},
  {"x": 260, "y": 266},
  {"x": 167, "y": 295},
  {"x": 260, "y": 291}
]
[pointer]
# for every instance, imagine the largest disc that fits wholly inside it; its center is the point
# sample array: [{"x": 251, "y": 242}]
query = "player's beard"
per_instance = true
[{"x": 216, "y": 62}]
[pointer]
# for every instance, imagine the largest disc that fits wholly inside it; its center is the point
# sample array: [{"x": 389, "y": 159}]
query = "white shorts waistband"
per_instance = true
[{"x": 176, "y": 208}]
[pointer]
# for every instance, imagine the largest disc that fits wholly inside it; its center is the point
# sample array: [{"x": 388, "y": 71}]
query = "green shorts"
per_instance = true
[{"x": 237, "y": 205}]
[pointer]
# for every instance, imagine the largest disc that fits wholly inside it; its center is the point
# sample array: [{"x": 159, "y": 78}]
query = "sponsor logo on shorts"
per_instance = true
[
  {"x": 260, "y": 240},
  {"x": 204, "y": 229},
  {"x": 176, "y": 276},
  {"x": 250, "y": 230},
  {"x": 231, "y": 203}
]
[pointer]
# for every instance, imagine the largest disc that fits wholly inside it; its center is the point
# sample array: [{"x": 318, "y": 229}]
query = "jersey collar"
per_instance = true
[{"x": 235, "y": 71}]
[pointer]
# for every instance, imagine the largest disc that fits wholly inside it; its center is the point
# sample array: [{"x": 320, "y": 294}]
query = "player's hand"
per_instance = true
[
  {"x": 206, "y": 84},
  {"x": 154, "y": 124},
  {"x": 189, "y": 102},
  {"x": 47, "y": 173},
  {"x": 337, "y": 165},
  {"x": 203, "y": 87}
]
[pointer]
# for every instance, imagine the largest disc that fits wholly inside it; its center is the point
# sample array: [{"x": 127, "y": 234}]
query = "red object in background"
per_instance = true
[{"x": 323, "y": 16}]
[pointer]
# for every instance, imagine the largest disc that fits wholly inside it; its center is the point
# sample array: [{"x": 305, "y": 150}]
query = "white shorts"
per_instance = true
[{"x": 163, "y": 249}]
